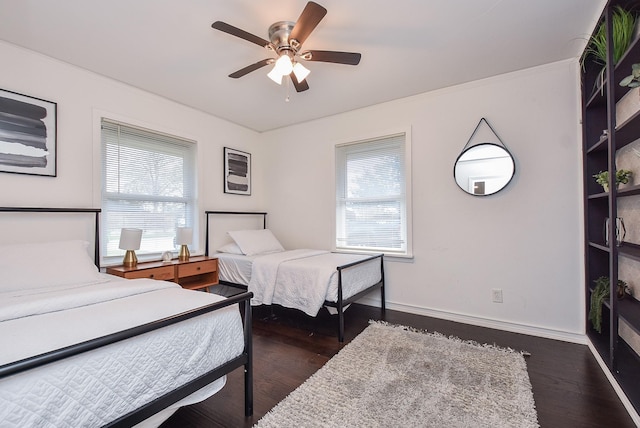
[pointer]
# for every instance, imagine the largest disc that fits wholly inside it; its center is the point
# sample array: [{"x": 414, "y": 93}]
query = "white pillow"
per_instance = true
[
  {"x": 231, "y": 248},
  {"x": 48, "y": 264},
  {"x": 253, "y": 242}
]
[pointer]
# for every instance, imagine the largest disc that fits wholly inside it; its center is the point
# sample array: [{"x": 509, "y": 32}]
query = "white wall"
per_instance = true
[
  {"x": 525, "y": 240},
  {"x": 82, "y": 97}
]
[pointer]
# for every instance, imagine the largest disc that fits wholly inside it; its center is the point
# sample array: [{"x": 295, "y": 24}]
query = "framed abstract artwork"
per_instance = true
[
  {"x": 27, "y": 135},
  {"x": 237, "y": 172}
]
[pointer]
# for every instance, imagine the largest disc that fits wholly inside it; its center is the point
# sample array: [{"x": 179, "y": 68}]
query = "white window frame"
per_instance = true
[
  {"x": 191, "y": 221},
  {"x": 339, "y": 177}
]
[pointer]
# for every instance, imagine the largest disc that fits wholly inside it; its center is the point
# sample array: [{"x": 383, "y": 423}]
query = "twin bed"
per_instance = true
[
  {"x": 302, "y": 279},
  {"x": 66, "y": 360}
]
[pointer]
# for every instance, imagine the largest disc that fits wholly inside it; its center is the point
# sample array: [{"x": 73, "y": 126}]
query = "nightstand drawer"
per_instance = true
[
  {"x": 198, "y": 273},
  {"x": 161, "y": 273},
  {"x": 197, "y": 268}
]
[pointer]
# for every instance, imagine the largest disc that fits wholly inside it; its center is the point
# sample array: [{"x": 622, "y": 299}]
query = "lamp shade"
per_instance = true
[
  {"x": 184, "y": 235},
  {"x": 275, "y": 76},
  {"x": 300, "y": 71},
  {"x": 284, "y": 65},
  {"x": 130, "y": 239}
]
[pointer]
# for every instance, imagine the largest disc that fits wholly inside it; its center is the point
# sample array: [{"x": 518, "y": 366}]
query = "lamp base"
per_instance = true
[
  {"x": 183, "y": 256},
  {"x": 130, "y": 259}
]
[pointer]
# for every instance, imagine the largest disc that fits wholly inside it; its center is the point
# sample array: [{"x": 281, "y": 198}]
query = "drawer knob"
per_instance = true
[
  {"x": 198, "y": 268},
  {"x": 151, "y": 276}
]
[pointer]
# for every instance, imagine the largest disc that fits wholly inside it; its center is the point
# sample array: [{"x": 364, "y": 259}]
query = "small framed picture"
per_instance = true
[
  {"x": 27, "y": 135},
  {"x": 237, "y": 172}
]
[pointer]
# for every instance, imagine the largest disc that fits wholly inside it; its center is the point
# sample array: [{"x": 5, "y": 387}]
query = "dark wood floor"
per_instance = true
[{"x": 569, "y": 388}]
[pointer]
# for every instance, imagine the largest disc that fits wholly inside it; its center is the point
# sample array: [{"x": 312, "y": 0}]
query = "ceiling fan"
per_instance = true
[{"x": 285, "y": 40}]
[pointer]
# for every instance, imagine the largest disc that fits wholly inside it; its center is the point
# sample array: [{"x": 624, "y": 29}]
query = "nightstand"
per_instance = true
[{"x": 200, "y": 272}]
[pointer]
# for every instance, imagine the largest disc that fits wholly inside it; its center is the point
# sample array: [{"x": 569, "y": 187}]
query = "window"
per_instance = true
[
  {"x": 148, "y": 183},
  {"x": 372, "y": 196}
]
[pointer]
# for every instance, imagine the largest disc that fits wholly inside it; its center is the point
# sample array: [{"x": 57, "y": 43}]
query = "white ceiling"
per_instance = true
[{"x": 168, "y": 47}]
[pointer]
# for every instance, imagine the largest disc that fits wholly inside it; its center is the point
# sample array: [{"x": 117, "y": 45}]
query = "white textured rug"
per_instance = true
[{"x": 394, "y": 376}]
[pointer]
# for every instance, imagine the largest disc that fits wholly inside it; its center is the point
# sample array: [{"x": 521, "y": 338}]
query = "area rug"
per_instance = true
[{"x": 395, "y": 376}]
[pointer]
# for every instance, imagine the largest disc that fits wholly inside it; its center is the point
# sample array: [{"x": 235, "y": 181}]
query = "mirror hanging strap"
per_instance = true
[{"x": 476, "y": 130}]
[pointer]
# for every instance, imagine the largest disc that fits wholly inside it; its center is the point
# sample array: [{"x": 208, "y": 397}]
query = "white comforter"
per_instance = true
[
  {"x": 99, "y": 386},
  {"x": 304, "y": 279}
]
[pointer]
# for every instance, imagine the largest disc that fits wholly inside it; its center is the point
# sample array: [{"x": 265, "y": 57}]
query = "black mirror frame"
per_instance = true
[{"x": 513, "y": 173}]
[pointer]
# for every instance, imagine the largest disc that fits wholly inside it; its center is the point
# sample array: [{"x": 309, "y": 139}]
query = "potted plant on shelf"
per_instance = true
[
  {"x": 598, "y": 295},
  {"x": 623, "y": 290},
  {"x": 629, "y": 104},
  {"x": 624, "y": 23},
  {"x": 622, "y": 176},
  {"x": 633, "y": 80}
]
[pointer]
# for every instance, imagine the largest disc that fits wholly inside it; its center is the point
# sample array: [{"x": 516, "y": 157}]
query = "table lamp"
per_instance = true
[
  {"x": 130, "y": 241},
  {"x": 184, "y": 236}
]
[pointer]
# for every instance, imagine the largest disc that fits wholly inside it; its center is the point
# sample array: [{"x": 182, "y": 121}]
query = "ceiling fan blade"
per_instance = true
[
  {"x": 253, "y": 67},
  {"x": 235, "y": 31},
  {"x": 307, "y": 22},
  {"x": 300, "y": 86},
  {"x": 349, "y": 58}
]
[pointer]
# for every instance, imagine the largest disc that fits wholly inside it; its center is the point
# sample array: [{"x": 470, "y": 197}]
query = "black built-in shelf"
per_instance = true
[
  {"x": 629, "y": 310},
  {"x": 601, "y": 91},
  {"x": 629, "y": 191},
  {"x": 629, "y": 250}
]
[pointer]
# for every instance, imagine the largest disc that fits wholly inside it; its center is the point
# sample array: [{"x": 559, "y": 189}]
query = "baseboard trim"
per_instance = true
[
  {"x": 482, "y": 322},
  {"x": 614, "y": 383}
]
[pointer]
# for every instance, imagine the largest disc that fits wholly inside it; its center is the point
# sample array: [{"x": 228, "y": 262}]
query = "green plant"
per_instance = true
[
  {"x": 598, "y": 295},
  {"x": 632, "y": 81},
  {"x": 623, "y": 26},
  {"x": 623, "y": 289},
  {"x": 622, "y": 176}
]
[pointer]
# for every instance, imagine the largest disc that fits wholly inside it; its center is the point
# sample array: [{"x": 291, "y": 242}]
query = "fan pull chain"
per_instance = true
[{"x": 286, "y": 100}]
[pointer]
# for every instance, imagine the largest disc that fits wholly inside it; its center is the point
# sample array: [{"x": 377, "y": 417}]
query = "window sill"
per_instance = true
[
  {"x": 397, "y": 258},
  {"x": 404, "y": 258}
]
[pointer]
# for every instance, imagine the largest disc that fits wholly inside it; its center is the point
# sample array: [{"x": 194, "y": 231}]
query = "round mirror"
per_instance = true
[{"x": 484, "y": 169}]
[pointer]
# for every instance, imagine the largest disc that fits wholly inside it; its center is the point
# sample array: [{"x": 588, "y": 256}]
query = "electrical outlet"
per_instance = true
[{"x": 496, "y": 295}]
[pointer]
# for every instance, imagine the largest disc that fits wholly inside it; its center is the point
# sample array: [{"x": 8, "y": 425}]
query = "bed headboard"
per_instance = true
[
  {"x": 56, "y": 227},
  {"x": 216, "y": 236}
]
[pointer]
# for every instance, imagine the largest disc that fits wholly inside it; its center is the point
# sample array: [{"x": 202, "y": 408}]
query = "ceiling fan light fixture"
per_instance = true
[
  {"x": 284, "y": 65},
  {"x": 286, "y": 39},
  {"x": 275, "y": 75},
  {"x": 300, "y": 71}
]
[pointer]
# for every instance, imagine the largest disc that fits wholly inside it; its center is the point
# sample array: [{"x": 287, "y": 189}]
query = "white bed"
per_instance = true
[
  {"x": 279, "y": 277},
  {"x": 234, "y": 268},
  {"x": 303, "y": 279},
  {"x": 98, "y": 387},
  {"x": 134, "y": 350}
]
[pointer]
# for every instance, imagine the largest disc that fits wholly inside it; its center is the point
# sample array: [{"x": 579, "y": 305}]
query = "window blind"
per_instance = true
[
  {"x": 371, "y": 196},
  {"x": 148, "y": 183}
]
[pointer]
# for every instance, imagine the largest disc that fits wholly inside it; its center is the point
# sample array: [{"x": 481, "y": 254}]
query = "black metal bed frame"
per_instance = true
[
  {"x": 341, "y": 302},
  {"x": 95, "y": 211},
  {"x": 244, "y": 359}
]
